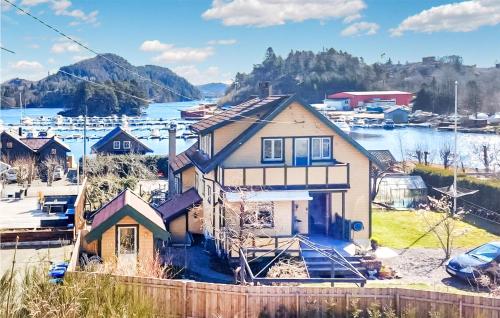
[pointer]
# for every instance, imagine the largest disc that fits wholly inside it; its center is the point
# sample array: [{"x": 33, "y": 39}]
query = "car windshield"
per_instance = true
[{"x": 486, "y": 252}]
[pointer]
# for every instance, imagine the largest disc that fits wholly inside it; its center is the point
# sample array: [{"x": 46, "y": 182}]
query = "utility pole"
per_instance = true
[
  {"x": 456, "y": 152},
  {"x": 84, "y": 142}
]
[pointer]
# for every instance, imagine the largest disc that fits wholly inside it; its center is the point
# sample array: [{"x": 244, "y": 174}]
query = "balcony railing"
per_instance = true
[{"x": 286, "y": 177}]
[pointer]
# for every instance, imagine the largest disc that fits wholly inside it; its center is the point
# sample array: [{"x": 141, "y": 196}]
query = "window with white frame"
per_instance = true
[
  {"x": 272, "y": 149},
  {"x": 126, "y": 144},
  {"x": 9, "y": 145},
  {"x": 209, "y": 194},
  {"x": 116, "y": 144},
  {"x": 206, "y": 144},
  {"x": 53, "y": 151},
  {"x": 321, "y": 148}
]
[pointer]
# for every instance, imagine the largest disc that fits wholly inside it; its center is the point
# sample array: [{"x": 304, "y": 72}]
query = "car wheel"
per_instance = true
[{"x": 484, "y": 280}]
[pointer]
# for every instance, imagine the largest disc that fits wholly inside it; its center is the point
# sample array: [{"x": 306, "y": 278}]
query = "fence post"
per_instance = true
[
  {"x": 297, "y": 304},
  {"x": 460, "y": 307},
  {"x": 398, "y": 308},
  {"x": 346, "y": 305},
  {"x": 184, "y": 300}
]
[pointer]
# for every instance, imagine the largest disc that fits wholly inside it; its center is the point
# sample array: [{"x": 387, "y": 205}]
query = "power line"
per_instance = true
[
  {"x": 1, "y": 47},
  {"x": 95, "y": 52},
  {"x": 106, "y": 86}
]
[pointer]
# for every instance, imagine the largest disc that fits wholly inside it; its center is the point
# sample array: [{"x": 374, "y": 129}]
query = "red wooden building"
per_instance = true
[{"x": 357, "y": 99}]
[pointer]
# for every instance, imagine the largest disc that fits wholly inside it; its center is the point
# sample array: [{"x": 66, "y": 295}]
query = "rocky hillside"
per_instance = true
[
  {"x": 60, "y": 89},
  {"x": 211, "y": 90},
  {"x": 314, "y": 75}
]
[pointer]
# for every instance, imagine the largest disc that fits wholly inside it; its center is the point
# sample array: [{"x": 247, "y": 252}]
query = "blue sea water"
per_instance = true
[{"x": 401, "y": 141}]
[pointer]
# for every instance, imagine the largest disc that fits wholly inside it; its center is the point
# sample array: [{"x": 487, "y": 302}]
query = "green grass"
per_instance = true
[{"x": 403, "y": 229}]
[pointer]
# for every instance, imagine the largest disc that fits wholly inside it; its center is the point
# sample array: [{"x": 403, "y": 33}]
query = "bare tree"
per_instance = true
[
  {"x": 485, "y": 153},
  {"x": 49, "y": 166},
  {"x": 473, "y": 98},
  {"x": 420, "y": 152},
  {"x": 446, "y": 226},
  {"x": 446, "y": 154},
  {"x": 402, "y": 152},
  {"x": 25, "y": 168}
]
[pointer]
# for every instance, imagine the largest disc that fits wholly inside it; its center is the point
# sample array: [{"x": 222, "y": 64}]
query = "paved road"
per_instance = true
[{"x": 27, "y": 257}]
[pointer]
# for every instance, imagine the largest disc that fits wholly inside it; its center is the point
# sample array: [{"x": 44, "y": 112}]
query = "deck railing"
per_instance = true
[{"x": 286, "y": 177}]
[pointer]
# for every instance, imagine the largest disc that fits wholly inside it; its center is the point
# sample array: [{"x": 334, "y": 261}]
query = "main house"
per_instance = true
[
  {"x": 299, "y": 173},
  {"x": 119, "y": 141},
  {"x": 15, "y": 147}
]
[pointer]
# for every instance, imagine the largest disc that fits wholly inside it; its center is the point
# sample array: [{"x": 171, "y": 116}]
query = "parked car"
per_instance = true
[
  {"x": 11, "y": 175},
  {"x": 72, "y": 176},
  {"x": 58, "y": 173},
  {"x": 480, "y": 265}
]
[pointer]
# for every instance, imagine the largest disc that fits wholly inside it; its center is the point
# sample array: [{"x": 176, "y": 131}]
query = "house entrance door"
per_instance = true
[
  {"x": 127, "y": 245},
  {"x": 318, "y": 220}
]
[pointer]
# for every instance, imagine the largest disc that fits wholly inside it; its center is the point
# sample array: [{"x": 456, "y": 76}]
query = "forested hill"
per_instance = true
[
  {"x": 314, "y": 75},
  {"x": 73, "y": 94}
]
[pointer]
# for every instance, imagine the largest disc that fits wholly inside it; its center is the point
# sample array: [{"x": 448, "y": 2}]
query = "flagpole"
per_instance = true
[{"x": 456, "y": 153}]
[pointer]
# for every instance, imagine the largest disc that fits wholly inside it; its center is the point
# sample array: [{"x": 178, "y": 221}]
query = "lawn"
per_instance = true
[{"x": 403, "y": 229}]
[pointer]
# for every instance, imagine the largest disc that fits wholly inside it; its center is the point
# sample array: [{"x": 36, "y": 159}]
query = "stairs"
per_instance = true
[{"x": 319, "y": 265}]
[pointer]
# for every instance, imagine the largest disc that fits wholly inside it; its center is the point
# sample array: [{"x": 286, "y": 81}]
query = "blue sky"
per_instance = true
[{"x": 207, "y": 41}]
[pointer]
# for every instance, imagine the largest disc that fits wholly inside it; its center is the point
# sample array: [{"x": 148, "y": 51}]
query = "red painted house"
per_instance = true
[{"x": 357, "y": 99}]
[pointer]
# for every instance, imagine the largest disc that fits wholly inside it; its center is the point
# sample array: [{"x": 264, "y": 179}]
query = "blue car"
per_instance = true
[{"x": 480, "y": 265}]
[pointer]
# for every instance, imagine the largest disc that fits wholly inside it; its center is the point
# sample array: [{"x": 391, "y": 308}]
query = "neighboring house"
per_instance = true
[
  {"x": 374, "y": 98},
  {"x": 127, "y": 228},
  {"x": 397, "y": 114},
  {"x": 17, "y": 147},
  {"x": 119, "y": 141},
  {"x": 281, "y": 154}
]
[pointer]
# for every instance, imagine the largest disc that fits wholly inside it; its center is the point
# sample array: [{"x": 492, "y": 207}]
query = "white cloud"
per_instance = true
[
  {"x": 197, "y": 76},
  {"x": 64, "y": 46},
  {"x": 32, "y": 3},
  {"x": 30, "y": 70},
  {"x": 51, "y": 61},
  {"x": 360, "y": 28},
  {"x": 154, "y": 46},
  {"x": 263, "y": 13},
  {"x": 34, "y": 46},
  {"x": 169, "y": 53},
  {"x": 24, "y": 65},
  {"x": 78, "y": 58},
  {"x": 184, "y": 54},
  {"x": 222, "y": 42},
  {"x": 462, "y": 16}
]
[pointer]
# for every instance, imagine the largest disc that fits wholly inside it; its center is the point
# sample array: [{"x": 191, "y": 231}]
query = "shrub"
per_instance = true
[{"x": 488, "y": 194}]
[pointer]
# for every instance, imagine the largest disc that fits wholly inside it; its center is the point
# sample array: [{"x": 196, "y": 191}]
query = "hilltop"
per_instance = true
[
  {"x": 62, "y": 90},
  {"x": 213, "y": 89},
  {"x": 314, "y": 75}
]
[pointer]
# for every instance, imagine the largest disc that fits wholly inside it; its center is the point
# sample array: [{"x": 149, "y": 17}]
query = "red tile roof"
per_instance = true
[
  {"x": 35, "y": 143},
  {"x": 182, "y": 160},
  {"x": 179, "y": 204},
  {"x": 124, "y": 199},
  {"x": 236, "y": 113}
]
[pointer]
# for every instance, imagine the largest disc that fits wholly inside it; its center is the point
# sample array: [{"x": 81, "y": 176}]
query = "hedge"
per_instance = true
[{"x": 489, "y": 190}]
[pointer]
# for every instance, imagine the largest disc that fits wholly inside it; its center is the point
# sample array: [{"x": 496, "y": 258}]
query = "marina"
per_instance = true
[{"x": 152, "y": 129}]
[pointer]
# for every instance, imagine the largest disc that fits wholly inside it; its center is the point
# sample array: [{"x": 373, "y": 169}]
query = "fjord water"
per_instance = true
[{"x": 401, "y": 141}]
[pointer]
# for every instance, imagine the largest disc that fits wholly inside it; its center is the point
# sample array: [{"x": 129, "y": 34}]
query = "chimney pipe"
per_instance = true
[
  {"x": 20, "y": 132},
  {"x": 265, "y": 89},
  {"x": 172, "y": 132}
]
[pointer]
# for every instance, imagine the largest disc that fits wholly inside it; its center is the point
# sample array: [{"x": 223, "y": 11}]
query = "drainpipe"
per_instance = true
[{"x": 172, "y": 132}]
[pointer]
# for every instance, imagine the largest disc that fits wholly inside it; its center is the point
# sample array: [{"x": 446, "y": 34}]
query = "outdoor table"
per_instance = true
[{"x": 61, "y": 205}]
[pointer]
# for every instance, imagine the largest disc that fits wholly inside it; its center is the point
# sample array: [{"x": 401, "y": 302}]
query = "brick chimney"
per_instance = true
[
  {"x": 265, "y": 89},
  {"x": 172, "y": 132}
]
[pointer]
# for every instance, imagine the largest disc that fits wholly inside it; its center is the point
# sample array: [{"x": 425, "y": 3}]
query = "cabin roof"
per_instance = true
[
  {"x": 396, "y": 108},
  {"x": 237, "y": 112},
  {"x": 206, "y": 164},
  {"x": 127, "y": 203},
  {"x": 36, "y": 143},
  {"x": 179, "y": 204},
  {"x": 112, "y": 134},
  {"x": 182, "y": 161}
]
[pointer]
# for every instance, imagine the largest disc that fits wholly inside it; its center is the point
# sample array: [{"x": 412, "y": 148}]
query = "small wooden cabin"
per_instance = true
[
  {"x": 118, "y": 142},
  {"x": 127, "y": 228}
]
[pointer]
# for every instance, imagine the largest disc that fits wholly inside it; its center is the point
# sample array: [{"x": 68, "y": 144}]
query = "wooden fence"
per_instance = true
[{"x": 177, "y": 298}]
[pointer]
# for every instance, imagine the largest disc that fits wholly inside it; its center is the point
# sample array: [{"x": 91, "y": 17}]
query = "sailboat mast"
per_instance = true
[{"x": 456, "y": 152}]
